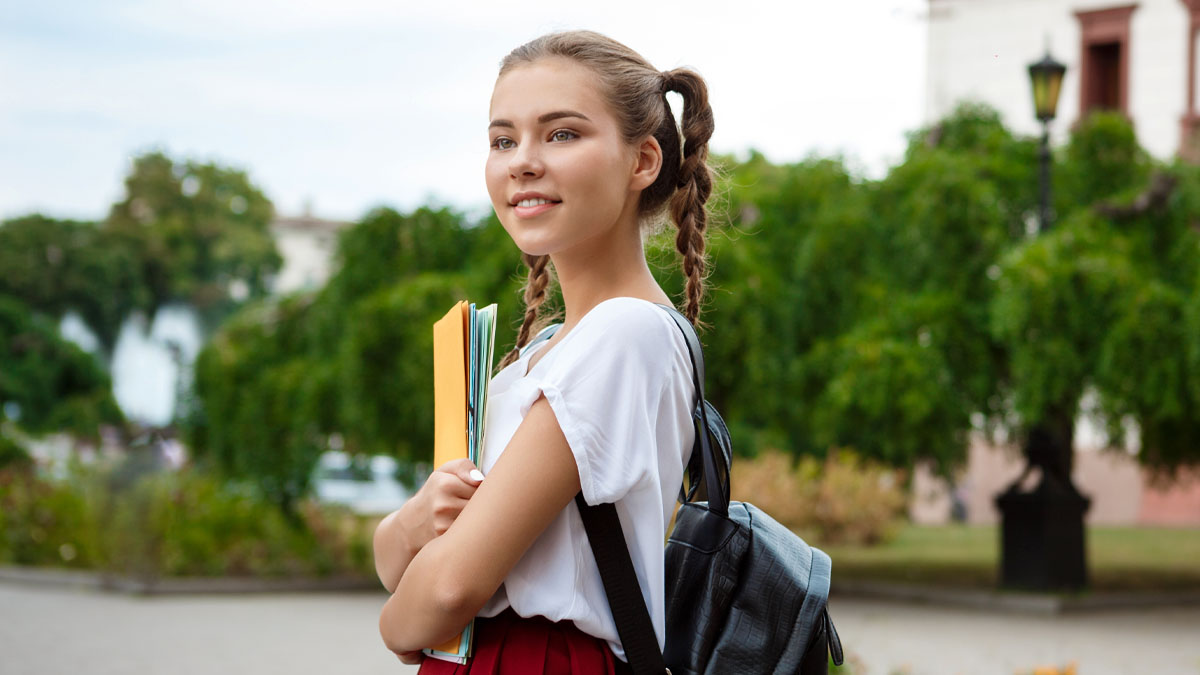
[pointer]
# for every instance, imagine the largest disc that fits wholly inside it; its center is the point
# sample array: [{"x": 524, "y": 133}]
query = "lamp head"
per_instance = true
[{"x": 1046, "y": 76}]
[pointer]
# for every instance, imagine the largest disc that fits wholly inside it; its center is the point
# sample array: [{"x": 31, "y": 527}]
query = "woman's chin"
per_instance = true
[
  {"x": 535, "y": 246},
  {"x": 535, "y": 251}
]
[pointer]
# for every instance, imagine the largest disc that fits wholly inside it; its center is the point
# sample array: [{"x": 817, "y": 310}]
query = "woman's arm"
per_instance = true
[
  {"x": 394, "y": 549},
  {"x": 423, "y": 517},
  {"x": 451, "y": 577}
]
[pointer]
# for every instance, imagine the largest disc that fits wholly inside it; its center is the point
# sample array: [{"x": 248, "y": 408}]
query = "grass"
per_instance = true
[{"x": 968, "y": 556}]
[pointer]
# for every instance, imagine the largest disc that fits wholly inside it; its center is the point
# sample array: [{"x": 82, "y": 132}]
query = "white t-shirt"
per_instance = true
[{"x": 620, "y": 385}]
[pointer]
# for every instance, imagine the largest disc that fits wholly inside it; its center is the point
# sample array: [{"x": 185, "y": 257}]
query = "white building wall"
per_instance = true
[
  {"x": 1158, "y": 73},
  {"x": 981, "y": 50},
  {"x": 307, "y": 247}
]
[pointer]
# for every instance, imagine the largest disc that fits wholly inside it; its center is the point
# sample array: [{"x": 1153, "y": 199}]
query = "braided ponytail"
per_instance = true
[
  {"x": 535, "y": 292},
  {"x": 694, "y": 184}
]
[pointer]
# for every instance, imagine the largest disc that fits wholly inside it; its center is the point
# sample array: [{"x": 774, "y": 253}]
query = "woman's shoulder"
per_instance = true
[{"x": 631, "y": 322}]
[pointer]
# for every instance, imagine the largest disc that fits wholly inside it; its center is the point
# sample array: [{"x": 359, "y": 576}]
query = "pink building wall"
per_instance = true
[{"x": 1122, "y": 493}]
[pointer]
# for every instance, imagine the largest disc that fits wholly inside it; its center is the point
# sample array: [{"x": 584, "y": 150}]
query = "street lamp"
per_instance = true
[
  {"x": 1042, "y": 531},
  {"x": 1046, "y": 76}
]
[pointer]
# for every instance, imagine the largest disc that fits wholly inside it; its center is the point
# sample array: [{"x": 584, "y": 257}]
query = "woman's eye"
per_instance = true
[
  {"x": 563, "y": 135},
  {"x": 502, "y": 143}
]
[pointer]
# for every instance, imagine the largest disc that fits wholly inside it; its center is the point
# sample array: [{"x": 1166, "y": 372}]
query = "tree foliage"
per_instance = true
[
  {"x": 355, "y": 358},
  {"x": 197, "y": 228},
  {"x": 54, "y": 384},
  {"x": 184, "y": 231},
  {"x": 55, "y": 266}
]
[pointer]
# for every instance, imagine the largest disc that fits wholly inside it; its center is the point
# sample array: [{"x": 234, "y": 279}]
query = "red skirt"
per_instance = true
[{"x": 508, "y": 644}]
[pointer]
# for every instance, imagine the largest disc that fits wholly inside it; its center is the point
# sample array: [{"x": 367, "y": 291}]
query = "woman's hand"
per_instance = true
[
  {"x": 437, "y": 504},
  {"x": 426, "y": 515}
]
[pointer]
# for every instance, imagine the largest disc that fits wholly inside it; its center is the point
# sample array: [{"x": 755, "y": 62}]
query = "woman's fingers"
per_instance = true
[
  {"x": 445, "y": 483},
  {"x": 446, "y": 493},
  {"x": 465, "y": 470}
]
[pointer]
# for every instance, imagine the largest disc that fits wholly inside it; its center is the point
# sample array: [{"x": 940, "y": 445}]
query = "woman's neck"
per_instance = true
[{"x": 603, "y": 268}]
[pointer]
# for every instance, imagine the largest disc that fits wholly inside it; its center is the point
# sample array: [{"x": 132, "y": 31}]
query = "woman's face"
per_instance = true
[{"x": 558, "y": 172}]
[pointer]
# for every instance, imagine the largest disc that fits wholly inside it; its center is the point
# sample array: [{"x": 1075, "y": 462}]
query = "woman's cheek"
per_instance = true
[{"x": 493, "y": 178}]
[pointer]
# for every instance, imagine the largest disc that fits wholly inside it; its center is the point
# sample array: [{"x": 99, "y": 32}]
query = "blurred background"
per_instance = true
[{"x": 954, "y": 314}]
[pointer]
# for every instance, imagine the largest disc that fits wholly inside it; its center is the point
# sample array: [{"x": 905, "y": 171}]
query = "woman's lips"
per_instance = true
[{"x": 531, "y": 211}]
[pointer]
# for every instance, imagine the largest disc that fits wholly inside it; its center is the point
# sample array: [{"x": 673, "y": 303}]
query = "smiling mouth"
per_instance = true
[
  {"x": 527, "y": 208},
  {"x": 537, "y": 201}
]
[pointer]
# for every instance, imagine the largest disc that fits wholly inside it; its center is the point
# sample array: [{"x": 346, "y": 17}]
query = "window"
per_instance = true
[
  {"x": 1104, "y": 68},
  {"x": 1105, "y": 59}
]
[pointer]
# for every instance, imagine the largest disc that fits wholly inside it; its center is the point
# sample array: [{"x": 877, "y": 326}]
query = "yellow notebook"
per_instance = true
[{"x": 463, "y": 351}]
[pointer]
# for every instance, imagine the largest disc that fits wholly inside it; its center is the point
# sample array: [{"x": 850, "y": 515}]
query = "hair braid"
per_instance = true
[
  {"x": 695, "y": 183},
  {"x": 535, "y": 292}
]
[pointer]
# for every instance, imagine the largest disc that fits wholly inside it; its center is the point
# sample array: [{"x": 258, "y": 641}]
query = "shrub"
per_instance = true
[
  {"x": 12, "y": 454},
  {"x": 42, "y": 523},
  {"x": 843, "y": 500},
  {"x": 182, "y": 523}
]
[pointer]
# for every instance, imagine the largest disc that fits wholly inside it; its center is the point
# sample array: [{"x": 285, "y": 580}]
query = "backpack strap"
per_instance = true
[
  {"x": 717, "y": 491},
  {"x": 607, "y": 539},
  {"x": 543, "y": 335},
  {"x": 634, "y": 626}
]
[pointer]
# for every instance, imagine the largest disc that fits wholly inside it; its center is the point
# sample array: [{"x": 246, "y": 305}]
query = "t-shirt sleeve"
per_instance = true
[{"x": 605, "y": 386}]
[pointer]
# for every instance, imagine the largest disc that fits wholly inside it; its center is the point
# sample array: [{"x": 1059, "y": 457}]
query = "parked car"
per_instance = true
[{"x": 368, "y": 485}]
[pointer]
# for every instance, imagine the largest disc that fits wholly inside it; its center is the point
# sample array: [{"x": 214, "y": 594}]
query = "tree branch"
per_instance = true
[{"x": 1154, "y": 197}]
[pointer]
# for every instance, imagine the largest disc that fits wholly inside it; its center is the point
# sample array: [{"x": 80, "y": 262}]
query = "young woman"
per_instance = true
[{"x": 586, "y": 160}]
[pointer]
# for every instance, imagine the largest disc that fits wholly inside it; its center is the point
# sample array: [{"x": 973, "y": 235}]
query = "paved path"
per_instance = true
[
  {"x": 883, "y": 638},
  {"x": 77, "y": 632},
  {"x": 48, "y": 630}
]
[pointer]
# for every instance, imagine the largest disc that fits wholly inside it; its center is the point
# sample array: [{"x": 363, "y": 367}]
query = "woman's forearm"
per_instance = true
[
  {"x": 431, "y": 603},
  {"x": 454, "y": 574},
  {"x": 394, "y": 549},
  {"x": 423, "y": 518}
]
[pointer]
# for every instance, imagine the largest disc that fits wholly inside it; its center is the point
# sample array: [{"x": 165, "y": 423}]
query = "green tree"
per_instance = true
[
  {"x": 54, "y": 384},
  {"x": 353, "y": 358},
  {"x": 197, "y": 228},
  {"x": 59, "y": 265},
  {"x": 901, "y": 380},
  {"x": 895, "y": 316},
  {"x": 1107, "y": 299},
  {"x": 259, "y": 402}
]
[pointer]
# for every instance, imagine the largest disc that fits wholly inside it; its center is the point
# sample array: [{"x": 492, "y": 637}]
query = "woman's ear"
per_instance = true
[{"x": 647, "y": 163}]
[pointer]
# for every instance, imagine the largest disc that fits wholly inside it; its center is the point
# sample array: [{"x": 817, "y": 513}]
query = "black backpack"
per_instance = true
[{"x": 744, "y": 593}]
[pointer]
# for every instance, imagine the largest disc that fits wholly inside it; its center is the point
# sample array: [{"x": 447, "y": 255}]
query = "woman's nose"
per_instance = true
[{"x": 526, "y": 162}]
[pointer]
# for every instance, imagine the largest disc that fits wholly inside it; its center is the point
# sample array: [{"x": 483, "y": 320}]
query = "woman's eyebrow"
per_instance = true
[{"x": 542, "y": 119}]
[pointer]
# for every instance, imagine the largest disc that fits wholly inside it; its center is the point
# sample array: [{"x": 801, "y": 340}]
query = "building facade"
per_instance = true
[
  {"x": 307, "y": 245},
  {"x": 1137, "y": 57}
]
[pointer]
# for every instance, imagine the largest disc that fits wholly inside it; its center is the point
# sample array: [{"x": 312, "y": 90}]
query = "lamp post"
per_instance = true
[
  {"x": 1042, "y": 530},
  {"x": 1046, "y": 76}
]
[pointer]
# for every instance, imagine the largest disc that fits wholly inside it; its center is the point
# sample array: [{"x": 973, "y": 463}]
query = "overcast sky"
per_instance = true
[{"x": 351, "y": 104}]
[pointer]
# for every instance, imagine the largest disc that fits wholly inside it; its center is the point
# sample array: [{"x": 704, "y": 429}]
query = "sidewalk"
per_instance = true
[
  {"x": 64, "y": 631},
  {"x": 1014, "y": 601},
  {"x": 885, "y": 637},
  {"x": 53, "y": 628}
]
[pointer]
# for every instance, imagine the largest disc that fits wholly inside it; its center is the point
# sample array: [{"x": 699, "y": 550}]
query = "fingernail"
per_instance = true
[{"x": 476, "y": 475}]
